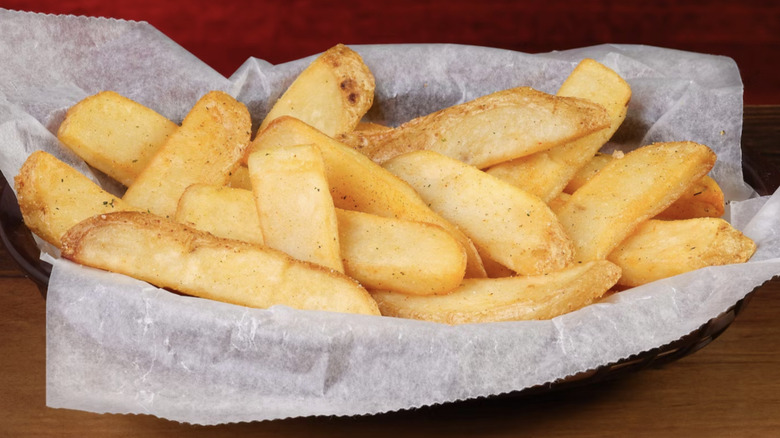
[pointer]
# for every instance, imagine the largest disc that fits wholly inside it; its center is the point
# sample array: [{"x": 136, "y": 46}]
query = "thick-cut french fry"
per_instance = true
[
  {"x": 295, "y": 209},
  {"x": 703, "y": 199},
  {"x": 625, "y": 193},
  {"x": 514, "y": 228},
  {"x": 507, "y": 299},
  {"x": 169, "y": 254},
  {"x": 392, "y": 254},
  {"x": 205, "y": 149},
  {"x": 223, "y": 211},
  {"x": 589, "y": 170},
  {"x": 371, "y": 127},
  {"x": 380, "y": 252},
  {"x": 663, "y": 248},
  {"x": 54, "y": 196},
  {"x": 332, "y": 93},
  {"x": 357, "y": 183},
  {"x": 546, "y": 173},
  {"x": 489, "y": 130},
  {"x": 114, "y": 134}
]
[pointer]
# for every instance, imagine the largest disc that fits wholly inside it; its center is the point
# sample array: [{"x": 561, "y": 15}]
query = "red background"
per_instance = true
[{"x": 225, "y": 33}]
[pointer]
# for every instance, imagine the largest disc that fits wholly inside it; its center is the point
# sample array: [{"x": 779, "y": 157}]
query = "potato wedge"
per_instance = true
[
  {"x": 223, "y": 211},
  {"x": 393, "y": 254},
  {"x": 380, "y": 252},
  {"x": 114, "y": 134},
  {"x": 546, "y": 173},
  {"x": 332, "y": 94},
  {"x": 626, "y": 192},
  {"x": 513, "y": 228},
  {"x": 357, "y": 183},
  {"x": 205, "y": 149},
  {"x": 488, "y": 130},
  {"x": 295, "y": 209},
  {"x": 171, "y": 255},
  {"x": 507, "y": 299},
  {"x": 703, "y": 199},
  {"x": 663, "y": 248},
  {"x": 54, "y": 197}
]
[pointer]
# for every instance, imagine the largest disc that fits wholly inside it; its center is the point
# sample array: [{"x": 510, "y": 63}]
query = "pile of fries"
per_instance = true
[{"x": 501, "y": 208}]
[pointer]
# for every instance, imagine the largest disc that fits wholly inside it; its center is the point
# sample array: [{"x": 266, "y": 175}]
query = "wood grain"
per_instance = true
[{"x": 729, "y": 388}]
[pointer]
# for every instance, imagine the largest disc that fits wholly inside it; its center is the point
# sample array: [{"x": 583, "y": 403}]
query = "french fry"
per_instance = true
[
  {"x": 703, "y": 199},
  {"x": 625, "y": 193},
  {"x": 223, "y": 211},
  {"x": 114, "y": 134},
  {"x": 295, "y": 209},
  {"x": 663, "y": 248},
  {"x": 488, "y": 130},
  {"x": 380, "y": 252},
  {"x": 332, "y": 93},
  {"x": 205, "y": 149},
  {"x": 53, "y": 197},
  {"x": 371, "y": 127},
  {"x": 414, "y": 258},
  {"x": 507, "y": 299},
  {"x": 357, "y": 183},
  {"x": 514, "y": 228},
  {"x": 168, "y": 254},
  {"x": 546, "y": 173}
]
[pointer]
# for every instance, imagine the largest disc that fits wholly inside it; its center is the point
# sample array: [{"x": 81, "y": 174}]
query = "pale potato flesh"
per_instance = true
[
  {"x": 546, "y": 173},
  {"x": 514, "y": 228},
  {"x": 704, "y": 198},
  {"x": 114, "y": 134},
  {"x": 507, "y": 299},
  {"x": 205, "y": 149},
  {"x": 663, "y": 248},
  {"x": 295, "y": 209},
  {"x": 53, "y": 197},
  {"x": 223, "y": 211},
  {"x": 168, "y": 254},
  {"x": 628, "y": 191},
  {"x": 332, "y": 93},
  {"x": 393, "y": 254},
  {"x": 488, "y": 130},
  {"x": 380, "y": 252},
  {"x": 357, "y": 183}
]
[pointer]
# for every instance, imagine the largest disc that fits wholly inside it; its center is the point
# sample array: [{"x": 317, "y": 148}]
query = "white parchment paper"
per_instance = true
[{"x": 115, "y": 344}]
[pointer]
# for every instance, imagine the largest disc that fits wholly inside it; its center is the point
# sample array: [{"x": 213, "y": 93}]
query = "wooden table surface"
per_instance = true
[{"x": 729, "y": 388}]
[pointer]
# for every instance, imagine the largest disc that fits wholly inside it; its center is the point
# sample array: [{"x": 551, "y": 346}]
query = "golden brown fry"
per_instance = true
[
  {"x": 703, "y": 199},
  {"x": 295, "y": 209},
  {"x": 223, "y": 211},
  {"x": 661, "y": 248},
  {"x": 171, "y": 255},
  {"x": 205, "y": 149},
  {"x": 380, "y": 252},
  {"x": 507, "y": 299},
  {"x": 332, "y": 94},
  {"x": 513, "y": 228},
  {"x": 488, "y": 130},
  {"x": 393, "y": 254},
  {"x": 625, "y": 193},
  {"x": 114, "y": 134},
  {"x": 357, "y": 183},
  {"x": 54, "y": 196},
  {"x": 546, "y": 173},
  {"x": 371, "y": 127}
]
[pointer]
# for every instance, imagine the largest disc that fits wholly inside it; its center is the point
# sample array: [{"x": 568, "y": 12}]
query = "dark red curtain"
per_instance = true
[{"x": 225, "y": 33}]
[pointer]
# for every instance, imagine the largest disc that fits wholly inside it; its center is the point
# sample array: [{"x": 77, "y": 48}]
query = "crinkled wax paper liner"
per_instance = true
[{"x": 115, "y": 344}]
